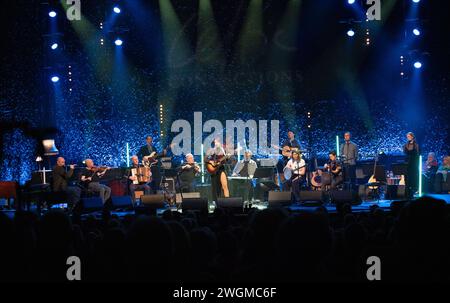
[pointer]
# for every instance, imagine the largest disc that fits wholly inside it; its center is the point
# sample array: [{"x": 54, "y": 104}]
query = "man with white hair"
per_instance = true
[
  {"x": 92, "y": 175},
  {"x": 187, "y": 173},
  {"x": 246, "y": 168}
]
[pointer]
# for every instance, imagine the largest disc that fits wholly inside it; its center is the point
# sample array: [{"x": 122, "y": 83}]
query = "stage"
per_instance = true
[{"x": 364, "y": 207}]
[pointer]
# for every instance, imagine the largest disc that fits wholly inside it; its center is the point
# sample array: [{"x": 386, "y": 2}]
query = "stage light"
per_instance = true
[
  {"x": 416, "y": 1},
  {"x": 117, "y": 9},
  {"x": 417, "y": 64},
  {"x": 52, "y": 14},
  {"x": 416, "y": 32},
  {"x": 118, "y": 42},
  {"x": 54, "y": 46},
  {"x": 351, "y": 1},
  {"x": 350, "y": 33},
  {"x": 55, "y": 79}
]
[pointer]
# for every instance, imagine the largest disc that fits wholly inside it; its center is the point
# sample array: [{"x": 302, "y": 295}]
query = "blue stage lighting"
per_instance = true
[
  {"x": 55, "y": 79},
  {"x": 350, "y": 33},
  {"x": 54, "y": 46},
  {"x": 416, "y": 32},
  {"x": 52, "y": 14},
  {"x": 117, "y": 9},
  {"x": 351, "y": 1},
  {"x": 417, "y": 64},
  {"x": 416, "y": 1},
  {"x": 118, "y": 42}
]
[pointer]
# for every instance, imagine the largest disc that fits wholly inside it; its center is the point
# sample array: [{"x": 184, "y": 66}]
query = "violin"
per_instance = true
[{"x": 99, "y": 169}]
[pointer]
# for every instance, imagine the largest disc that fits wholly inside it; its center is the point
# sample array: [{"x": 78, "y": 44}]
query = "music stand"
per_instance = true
[
  {"x": 263, "y": 172},
  {"x": 264, "y": 177}
]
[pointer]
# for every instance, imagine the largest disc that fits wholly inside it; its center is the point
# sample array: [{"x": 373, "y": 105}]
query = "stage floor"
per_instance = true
[{"x": 331, "y": 208}]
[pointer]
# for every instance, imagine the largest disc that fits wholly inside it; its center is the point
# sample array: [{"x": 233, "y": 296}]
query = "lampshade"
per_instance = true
[
  {"x": 49, "y": 147},
  {"x": 39, "y": 159}
]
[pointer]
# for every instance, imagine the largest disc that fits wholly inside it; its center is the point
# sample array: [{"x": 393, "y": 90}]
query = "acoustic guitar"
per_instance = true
[
  {"x": 372, "y": 178},
  {"x": 212, "y": 166},
  {"x": 286, "y": 151}
]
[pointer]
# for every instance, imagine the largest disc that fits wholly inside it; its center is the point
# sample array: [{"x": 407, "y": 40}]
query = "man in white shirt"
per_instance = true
[{"x": 295, "y": 169}]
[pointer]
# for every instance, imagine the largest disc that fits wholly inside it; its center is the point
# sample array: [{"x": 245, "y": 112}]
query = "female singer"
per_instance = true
[
  {"x": 411, "y": 150},
  {"x": 296, "y": 168},
  {"x": 219, "y": 182}
]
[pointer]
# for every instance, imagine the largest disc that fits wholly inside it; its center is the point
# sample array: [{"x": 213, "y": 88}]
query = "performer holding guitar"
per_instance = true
[
  {"x": 215, "y": 158},
  {"x": 148, "y": 152},
  {"x": 295, "y": 171},
  {"x": 290, "y": 145}
]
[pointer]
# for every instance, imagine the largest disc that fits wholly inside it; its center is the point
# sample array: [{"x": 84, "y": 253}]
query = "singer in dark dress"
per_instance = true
[{"x": 412, "y": 152}]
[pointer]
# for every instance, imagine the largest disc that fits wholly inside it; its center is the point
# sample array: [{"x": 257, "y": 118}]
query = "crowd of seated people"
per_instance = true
[{"x": 411, "y": 240}]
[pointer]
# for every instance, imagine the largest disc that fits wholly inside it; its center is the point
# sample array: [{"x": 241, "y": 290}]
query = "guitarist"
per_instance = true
[
  {"x": 288, "y": 145},
  {"x": 334, "y": 168},
  {"x": 148, "y": 149},
  {"x": 219, "y": 183},
  {"x": 148, "y": 152}
]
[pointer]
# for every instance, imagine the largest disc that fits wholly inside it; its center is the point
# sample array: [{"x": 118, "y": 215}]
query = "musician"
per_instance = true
[
  {"x": 145, "y": 187},
  {"x": 431, "y": 165},
  {"x": 412, "y": 152},
  {"x": 349, "y": 153},
  {"x": 91, "y": 176},
  {"x": 298, "y": 168},
  {"x": 246, "y": 168},
  {"x": 334, "y": 168},
  {"x": 290, "y": 143},
  {"x": 147, "y": 150},
  {"x": 219, "y": 181},
  {"x": 60, "y": 180},
  {"x": 187, "y": 173},
  {"x": 442, "y": 174},
  {"x": 430, "y": 168}
]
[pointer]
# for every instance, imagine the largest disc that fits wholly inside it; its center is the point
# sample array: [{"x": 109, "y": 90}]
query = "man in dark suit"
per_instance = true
[
  {"x": 144, "y": 153},
  {"x": 60, "y": 180},
  {"x": 147, "y": 149}
]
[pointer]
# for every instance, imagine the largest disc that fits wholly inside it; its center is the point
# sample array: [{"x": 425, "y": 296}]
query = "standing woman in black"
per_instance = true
[{"x": 412, "y": 152}]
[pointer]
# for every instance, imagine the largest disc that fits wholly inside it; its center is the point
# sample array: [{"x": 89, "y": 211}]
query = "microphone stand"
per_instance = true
[{"x": 180, "y": 189}]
